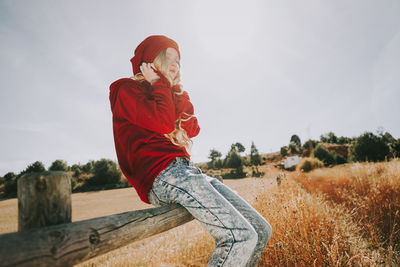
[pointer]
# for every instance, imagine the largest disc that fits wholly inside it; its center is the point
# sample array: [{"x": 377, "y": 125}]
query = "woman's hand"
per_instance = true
[{"x": 148, "y": 72}]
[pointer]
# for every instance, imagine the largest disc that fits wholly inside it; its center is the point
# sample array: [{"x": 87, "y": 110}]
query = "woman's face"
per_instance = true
[{"x": 173, "y": 62}]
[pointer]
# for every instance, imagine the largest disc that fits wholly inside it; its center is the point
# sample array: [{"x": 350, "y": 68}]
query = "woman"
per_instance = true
[{"x": 153, "y": 123}]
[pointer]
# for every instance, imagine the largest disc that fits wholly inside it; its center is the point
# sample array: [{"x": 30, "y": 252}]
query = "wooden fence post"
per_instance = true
[{"x": 44, "y": 199}]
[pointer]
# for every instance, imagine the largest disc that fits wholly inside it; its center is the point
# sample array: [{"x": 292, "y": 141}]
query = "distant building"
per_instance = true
[{"x": 291, "y": 162}]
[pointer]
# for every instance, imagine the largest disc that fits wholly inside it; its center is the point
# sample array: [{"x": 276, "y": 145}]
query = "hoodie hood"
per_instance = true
[{"x": 114, "y": 87}]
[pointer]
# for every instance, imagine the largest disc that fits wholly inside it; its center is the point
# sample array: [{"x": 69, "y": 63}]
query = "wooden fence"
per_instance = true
[{"x": 46, "y": 236}]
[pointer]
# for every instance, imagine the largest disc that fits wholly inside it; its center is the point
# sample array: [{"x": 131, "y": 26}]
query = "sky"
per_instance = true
[{"x": 255, "y": 71}]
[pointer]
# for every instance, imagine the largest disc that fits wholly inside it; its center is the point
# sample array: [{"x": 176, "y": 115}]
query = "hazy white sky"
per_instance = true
[{"x": 255, "y": 71}]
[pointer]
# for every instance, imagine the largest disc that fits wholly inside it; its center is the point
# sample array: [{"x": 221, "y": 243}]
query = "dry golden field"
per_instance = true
[{"x": 342, "y": 216}]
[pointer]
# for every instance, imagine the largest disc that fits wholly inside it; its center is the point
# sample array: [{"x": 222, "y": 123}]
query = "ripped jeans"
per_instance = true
[{"x": 239, "y": 231}]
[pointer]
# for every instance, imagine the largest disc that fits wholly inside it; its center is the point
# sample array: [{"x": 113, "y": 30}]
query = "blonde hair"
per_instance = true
[{"x": 179, "y": 136}]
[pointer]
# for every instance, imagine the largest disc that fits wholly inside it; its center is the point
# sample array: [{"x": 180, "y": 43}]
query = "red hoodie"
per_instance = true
[{"x": 142, "y": 114}]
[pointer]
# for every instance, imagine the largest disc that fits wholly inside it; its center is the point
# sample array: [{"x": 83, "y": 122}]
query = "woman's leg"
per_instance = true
[
  {"x": 234, "y": 236},
  {"x": 262, "y": 227}
]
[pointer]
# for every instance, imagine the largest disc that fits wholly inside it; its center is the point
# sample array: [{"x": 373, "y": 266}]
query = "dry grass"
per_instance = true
[
  {"x": 342, "y": 216},
  {"x": 370, "y": 193},
  {"x": 307, "y": 231}
]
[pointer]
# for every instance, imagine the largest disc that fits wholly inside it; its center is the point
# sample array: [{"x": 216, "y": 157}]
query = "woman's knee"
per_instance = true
[{"x": 264, "y": 231}]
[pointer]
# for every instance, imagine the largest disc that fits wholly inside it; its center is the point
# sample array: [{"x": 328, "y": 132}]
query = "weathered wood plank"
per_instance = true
[{"x": 71, "y": 243}]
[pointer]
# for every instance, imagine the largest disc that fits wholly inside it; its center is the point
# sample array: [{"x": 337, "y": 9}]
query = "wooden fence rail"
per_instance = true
[{"x": 71, "y": 243}]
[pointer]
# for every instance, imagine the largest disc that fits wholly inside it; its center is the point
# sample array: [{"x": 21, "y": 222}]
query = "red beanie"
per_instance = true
[{"x": 149, "y": 49}]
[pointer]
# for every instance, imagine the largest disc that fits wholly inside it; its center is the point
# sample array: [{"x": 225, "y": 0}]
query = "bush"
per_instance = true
[
  {"x": 284, "y": 151},
  {"x": 324, "y": 155},
  {"x": 10, "y": 184},
  {"x": 77, "y": 169},
  {"x": 339, "y": 159},
  {"x": 369, "y": 147},
  {"x": 308, "y": 164},
  {"x": 37, "y": 166},
  {"x": 106, "y": 171},
  {"x": 59, "y": 165},
  {"x": 396, "y": 149},
  {"x": 233, "y": 160},
  {"x": 88, "y": 167}
]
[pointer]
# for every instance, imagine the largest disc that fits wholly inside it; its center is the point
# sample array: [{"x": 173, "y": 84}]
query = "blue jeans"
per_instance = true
[{"x": 239, "y": 231}]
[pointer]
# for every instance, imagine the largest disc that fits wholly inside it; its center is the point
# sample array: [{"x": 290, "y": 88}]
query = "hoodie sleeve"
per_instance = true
[
  {"x": 156, "y": 114},
  {"x": 182, "y": 106}
]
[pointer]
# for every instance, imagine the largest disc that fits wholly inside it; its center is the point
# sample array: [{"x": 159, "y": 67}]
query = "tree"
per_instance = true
[
  {"x": 239, "y": 147},
  {"x": 344, "y": 140},
  {"x": 255, "y": 158},
  {"x": 295, "y": 139},
  {"x": 233, "y": 159},
  {"x": 329, "y": 138},
  {"x": 369, "y": 147},
  {"x": 59, "y": 165},
  {"x": 332, "y": 138},
  {"x": 214, "y": 155},
  {"x": 37, "y": 166}
]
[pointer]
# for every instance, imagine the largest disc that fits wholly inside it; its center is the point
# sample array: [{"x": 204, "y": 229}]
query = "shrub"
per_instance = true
[
  {"x": 37, "y": 166},
  {"x": 88, "y": 167},
  {"x": 233, "y": 160},
  {"x": 329, "y": 138},
  {"x": 369, "y": 147},
  {"x": 77, "y": 169},
  {"x": 10, "y": 184},
  {"x": 106, "y": 171},
  {"x": 324, "y": 155},
  {"x": 396, "y": 149},
  {"x": 284, "y": 151},
  {"x": 339, "y": 159},
  {"x": 59, "y": 165},
  {"x": 308, "y": 164},
  {"x": 310, "y": 144}
]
